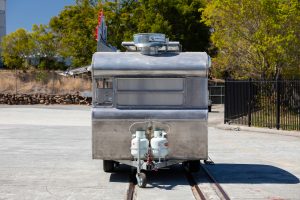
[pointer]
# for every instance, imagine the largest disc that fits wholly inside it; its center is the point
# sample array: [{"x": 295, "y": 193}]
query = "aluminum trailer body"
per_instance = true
[{"x": 135, "y": 92}]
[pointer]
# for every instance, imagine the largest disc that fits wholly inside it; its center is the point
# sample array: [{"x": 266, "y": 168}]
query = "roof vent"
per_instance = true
[{"x": 149, "y": 43}]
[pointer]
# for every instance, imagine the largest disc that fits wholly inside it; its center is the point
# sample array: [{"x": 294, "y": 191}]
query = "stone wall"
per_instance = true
[{"x": 46, "y": 99}]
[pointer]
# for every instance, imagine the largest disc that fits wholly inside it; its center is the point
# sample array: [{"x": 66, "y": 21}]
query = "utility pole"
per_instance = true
[{"x": 2, "y": 22}]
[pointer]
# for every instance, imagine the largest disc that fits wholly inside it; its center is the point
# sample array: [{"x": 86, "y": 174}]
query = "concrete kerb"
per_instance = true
[{"x": 257, "y": 130}]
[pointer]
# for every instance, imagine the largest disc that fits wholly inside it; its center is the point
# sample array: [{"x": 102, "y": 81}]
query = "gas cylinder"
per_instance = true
[
  {"x": 159, "y": 145},
  {"x": 143, "y": 144}
]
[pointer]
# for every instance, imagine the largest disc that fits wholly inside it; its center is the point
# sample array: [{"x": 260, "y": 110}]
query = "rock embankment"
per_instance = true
[{"x": 46, "y": 99}]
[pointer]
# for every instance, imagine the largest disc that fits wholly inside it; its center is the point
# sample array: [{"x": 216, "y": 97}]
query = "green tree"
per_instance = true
[
  {"x": 178, "y": 19},
  {"x": 71, "y": 33},
  {"x": 46, "y": 45},
  {"x": 187, "y": 26},
  {"x": 259, "y": 38},
  {"x": 16, "y": 47},
  {"x": 120, "y": 20},
  {"x": 74, "y": 29}
]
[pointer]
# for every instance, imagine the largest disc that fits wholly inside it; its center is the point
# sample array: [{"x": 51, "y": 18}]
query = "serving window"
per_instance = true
[{"x": 150, "y": 92}]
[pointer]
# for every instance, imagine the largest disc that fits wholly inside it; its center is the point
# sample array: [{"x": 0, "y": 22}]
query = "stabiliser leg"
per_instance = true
[{"x": 140, "y": 176}]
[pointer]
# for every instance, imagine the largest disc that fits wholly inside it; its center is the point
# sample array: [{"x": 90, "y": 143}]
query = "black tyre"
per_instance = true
[
  {"x": 142, "y": 182},
  {"x": 192, "y": 165},
  {"x": 108, "y": 166},
  {"x": 209, "y": 108}
]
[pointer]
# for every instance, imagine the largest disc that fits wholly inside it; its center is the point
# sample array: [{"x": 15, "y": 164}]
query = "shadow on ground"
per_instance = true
[
  {"x": 224, "y": 173},
  {"x": 163, "y": 178},
  {"x": 251, "y": 174}
]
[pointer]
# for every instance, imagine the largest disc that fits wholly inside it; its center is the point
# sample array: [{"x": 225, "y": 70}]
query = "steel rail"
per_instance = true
[
  {"x": 130, "y": 191},
  {"x": 198, "y": 194},
  {"x": 219, "y": 190},
  {"x": 131, "y": 195}
]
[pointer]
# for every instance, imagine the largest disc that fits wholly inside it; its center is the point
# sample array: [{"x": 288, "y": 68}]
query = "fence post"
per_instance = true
[
  {"x": 225, "y": 102},
  {"x": 249, "y": 102},
  {"x": 278, "y": 91},
  {"x": 16, "y": 81},
  {"x": 52, "y": 92}
]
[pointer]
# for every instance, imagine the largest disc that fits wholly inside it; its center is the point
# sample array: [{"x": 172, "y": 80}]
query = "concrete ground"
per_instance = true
[{"x": 45, "y": 153}]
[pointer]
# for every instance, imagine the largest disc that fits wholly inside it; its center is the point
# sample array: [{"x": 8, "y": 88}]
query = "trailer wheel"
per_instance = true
[
  {"x": 141, "y": 180},
  {"x": 192, "y": 165},
  {"x": 108, "y": 166},
  {"x": 209, "y": 108}
]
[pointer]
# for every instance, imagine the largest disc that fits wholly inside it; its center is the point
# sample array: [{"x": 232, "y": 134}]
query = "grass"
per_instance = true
[
  {"x": 41, "y": 82},
  {"x": 288, "y": 120},
  {"x": 267, "y": 118}
]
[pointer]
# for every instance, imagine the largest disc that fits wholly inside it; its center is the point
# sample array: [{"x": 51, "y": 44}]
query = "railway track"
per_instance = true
[
  {"x": 200, "y": 191},
  {"x": 130, "y": 191}
]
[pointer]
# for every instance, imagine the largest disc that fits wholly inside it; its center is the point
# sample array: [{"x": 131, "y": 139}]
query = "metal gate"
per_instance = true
[{"x": 263, "y": 103}]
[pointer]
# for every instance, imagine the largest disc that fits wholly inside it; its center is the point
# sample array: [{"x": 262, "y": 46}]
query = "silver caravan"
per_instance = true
[{"x": 150, "y": 105}]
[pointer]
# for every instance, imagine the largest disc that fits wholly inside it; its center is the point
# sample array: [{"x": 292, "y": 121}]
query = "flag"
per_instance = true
[{"x": 99, "y": 25}]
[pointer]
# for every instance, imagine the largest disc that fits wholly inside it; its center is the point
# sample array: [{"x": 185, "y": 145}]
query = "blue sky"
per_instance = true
[{"x": 25, "y": 13}]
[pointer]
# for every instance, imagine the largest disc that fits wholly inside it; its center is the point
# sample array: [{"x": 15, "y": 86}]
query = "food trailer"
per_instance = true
[{"x": 150, "y": 106}]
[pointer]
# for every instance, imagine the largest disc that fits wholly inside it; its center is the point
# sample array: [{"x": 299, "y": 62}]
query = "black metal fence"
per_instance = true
[
  {"x": 273, "y": 104},
  {"x": 216, "y": 93}
]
